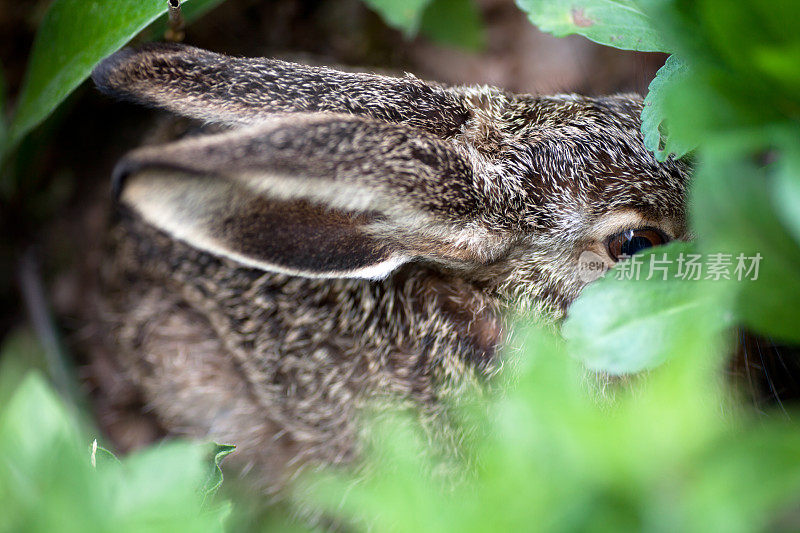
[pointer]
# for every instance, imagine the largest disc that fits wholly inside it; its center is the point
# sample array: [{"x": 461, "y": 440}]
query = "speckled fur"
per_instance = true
[{"x": 485, "y": 198}]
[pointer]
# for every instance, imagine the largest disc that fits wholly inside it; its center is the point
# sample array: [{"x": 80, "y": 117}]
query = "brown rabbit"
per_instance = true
[{"x": 347, "y": 236}]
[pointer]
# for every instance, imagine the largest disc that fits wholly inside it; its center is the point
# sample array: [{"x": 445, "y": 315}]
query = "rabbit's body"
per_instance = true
[
  {"x": 351, "y": 237},
  {"x": 279, "y": 364}
]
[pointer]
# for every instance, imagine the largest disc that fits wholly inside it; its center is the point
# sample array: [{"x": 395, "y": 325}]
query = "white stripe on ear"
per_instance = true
[
  {"x": 338, "y": 195},
  {"x": 374, "y": 272}
]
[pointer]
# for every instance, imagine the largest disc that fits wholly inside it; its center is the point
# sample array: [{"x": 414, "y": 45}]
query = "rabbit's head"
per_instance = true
[{"x": 330, "y": 174}]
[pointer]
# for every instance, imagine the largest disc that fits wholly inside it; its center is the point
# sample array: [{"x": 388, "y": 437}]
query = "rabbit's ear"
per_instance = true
[
  {"x": 314, "y": 195},
  {"x": 231, "y": 90}
]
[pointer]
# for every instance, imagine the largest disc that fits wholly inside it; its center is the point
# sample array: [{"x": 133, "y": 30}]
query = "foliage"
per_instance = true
[
  {"x": 745, "y": 63},
  {"x": 20, "y": 354},
  {"x": 402, "y": 15},
  {"x": 656, "y": 137},
  {"x": 730, "y": 93},
  {"x": 638, "y": 331},
  {"x": 618, "y": 23},
  {"x": 48, "y": 481},
  {"x": 72, "y": 38},
  {"x": 450, "y": 22},
  {"x": 667, "y": 450},
  {"x": 740, "y": 104},
  {"x": 666, "y": 454},
  {"x": 734, "y": 212},
  {"x": 454, "y": 23}
]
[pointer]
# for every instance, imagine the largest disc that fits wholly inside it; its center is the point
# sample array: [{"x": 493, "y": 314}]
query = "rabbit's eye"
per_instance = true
[{"x": 630, "y": 241}]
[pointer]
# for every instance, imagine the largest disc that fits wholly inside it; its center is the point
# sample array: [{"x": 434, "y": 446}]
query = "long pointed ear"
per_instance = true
[
  {"x": 316, "y": 195},
  {"x": 218, "y": 88}
]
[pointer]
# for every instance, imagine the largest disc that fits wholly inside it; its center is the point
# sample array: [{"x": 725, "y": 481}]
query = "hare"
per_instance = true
[{"x": 339, "y": 237}]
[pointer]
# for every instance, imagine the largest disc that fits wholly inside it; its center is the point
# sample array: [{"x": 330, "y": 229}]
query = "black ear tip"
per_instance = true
[
  {"x": 120, "y": 175},
  {"x": 112, "y": 74},
  {"x": 104, "y": 73}
]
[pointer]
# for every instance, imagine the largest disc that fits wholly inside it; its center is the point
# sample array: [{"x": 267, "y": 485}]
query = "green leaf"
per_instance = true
[
  {"x": 733, "y": 213},
  {"x": 39, "y": 457},
  {"x": 21, "y": 353},
  {"x": 454, "y": 22},
  {"x": 214, "y": 479},
  {"x": 773, "y": 480},
  {"x": 158, "y": 484},
  {"x": 655, "y": 123},
  {"x": 745, "y": 60},
  {"x": 48, "y": 483},
  {"x": 620, "y": 325},
  {"x": 618, "y": 23},
  {"x": 404, "y": 15},
  {"x": 73, "y": 37},
  {"x": 750, "y": 37},
  {"x": 551, "y": 457},
  {"x": 34, "y": 421}
]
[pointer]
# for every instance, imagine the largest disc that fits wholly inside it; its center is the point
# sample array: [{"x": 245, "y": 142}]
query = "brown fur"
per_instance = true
[{"x": 348, "y": 237}]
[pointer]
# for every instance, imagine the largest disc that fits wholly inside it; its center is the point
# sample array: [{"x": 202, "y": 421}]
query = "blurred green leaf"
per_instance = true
[
  {"x": 655, "y": 457},
  {"x": 39, "y": 458},
  {"x": 628, "y": 325},
  {"x": 159, "y": 487},
  {"x": 772, "y": 480},
  {"x": 733, "y": 213},
  {"x": 749, "y": 37},
  {"x": 72, "y": 38},
  {"x": 786, "y": 190},
  {"x": 618, "y": 23},
  {"x": 692, "y": 110},
  {"x": 404, "y": 15},
  {"x": 47, "y": 482},
  {"x": 655, "y": 128},
  {"x": 33, "y": 421},
  {"x": 399, "y": 462},
  {"x": 20, "y": 353},
  {"x": 455, "y": 23}
]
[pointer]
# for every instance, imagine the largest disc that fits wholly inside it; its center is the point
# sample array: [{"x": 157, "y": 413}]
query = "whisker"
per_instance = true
[
  {"x": 748, "y": 374},
  {"x": 789, "y": 373},
  {"x": 768, "y": 377}
]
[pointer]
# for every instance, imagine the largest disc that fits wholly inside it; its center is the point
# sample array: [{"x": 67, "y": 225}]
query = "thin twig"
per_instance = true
[
  {"x": 177, "y": 26},
  {"x": 35, "y": 298}
]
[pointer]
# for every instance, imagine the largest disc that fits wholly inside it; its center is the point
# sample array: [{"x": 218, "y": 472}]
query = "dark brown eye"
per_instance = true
[{"x": 630, "y": 241}]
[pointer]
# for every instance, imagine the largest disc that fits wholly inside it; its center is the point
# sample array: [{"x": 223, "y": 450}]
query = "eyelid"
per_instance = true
[{"x": 664, "y": 235}]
